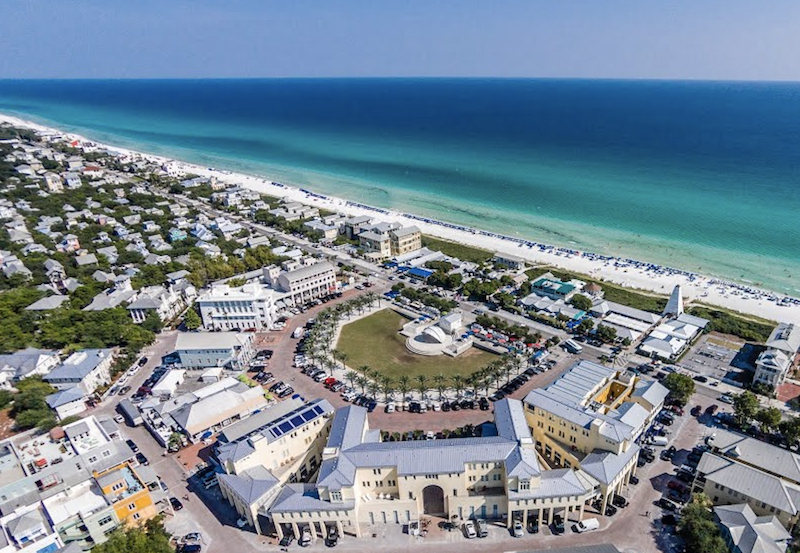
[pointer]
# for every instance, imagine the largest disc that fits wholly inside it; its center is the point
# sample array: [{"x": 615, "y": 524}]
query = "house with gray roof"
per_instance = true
[
  {"x": 746, "y": 532},
  {"x": 24, "y": 363},
  {"x": 88, "y": 369},
  {"x": 774, "y": 363}
]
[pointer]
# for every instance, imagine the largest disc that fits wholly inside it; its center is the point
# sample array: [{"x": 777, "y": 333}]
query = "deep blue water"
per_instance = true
[{"x": 700, "y": 175}]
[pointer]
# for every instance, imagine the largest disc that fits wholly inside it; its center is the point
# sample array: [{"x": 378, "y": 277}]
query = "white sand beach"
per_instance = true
[{"x": 626, "y": 272}]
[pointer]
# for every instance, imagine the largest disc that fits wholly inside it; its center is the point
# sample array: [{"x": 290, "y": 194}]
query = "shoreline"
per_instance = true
[{"x": 626, "y": 272}]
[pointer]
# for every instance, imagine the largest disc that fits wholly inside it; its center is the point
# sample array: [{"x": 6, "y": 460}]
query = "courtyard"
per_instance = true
[{"x": 375, "y": 341}]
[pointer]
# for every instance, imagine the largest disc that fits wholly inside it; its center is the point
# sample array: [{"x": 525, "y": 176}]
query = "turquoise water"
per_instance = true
[{"x": 699, "y": 176}]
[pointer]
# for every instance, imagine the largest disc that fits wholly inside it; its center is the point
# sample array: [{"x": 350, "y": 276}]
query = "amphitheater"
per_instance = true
[{"x": 442, "y": 337}]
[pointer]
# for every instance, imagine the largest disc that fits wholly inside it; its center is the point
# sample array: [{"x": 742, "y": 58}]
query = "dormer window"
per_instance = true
[
  {"x": 336, "y": 496},
  {"x": 524, "y": 485}
]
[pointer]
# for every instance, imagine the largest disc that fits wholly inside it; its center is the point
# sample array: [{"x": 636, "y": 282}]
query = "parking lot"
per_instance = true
[{"x": 720, "y": 358}]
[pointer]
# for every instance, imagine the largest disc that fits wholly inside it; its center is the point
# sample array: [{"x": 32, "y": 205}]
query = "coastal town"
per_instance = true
[{"x": 236, "y": 364}]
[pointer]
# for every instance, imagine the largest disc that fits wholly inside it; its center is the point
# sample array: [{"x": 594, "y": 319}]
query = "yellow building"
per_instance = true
[
  {"x": 127, "y": 493},
  {"x": 405, "y": 240},
  {"x": 590, "y": 419}
]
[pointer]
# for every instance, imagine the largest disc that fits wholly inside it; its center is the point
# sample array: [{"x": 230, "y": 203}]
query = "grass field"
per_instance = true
[
  {"x": 462, "y": 252},
  {"x": 375, "y": 341}
]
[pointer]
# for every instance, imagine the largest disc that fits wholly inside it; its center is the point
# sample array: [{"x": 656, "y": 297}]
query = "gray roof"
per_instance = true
[
  {"x": 554, "y": 483},
  {"x": 785, "y": 337},
  {"x": 605, "y": 466},
  {"x": 405, "y": 231},
  {"x": 87, "y": 259},
  {"x": 633, "y": 313},
  {"x": 19, "y": 526},
  {"x": 77, "y": 367},
  {"x": 652, "y": 392},
  {"x": 64, "y": 397},
  {"x": 768, "y": 458},
  {"x": 750, "y": 533},
  {"x": 304, "y": 497},
  {"x": 750, "y": 482},
  {"x": 309, "y": 271},
  {"x": 251, "y": 485},
  {"x": 249, "y": 425},
  {"x": 48, "y": 303},
  {"x": 24, "y": 361}
]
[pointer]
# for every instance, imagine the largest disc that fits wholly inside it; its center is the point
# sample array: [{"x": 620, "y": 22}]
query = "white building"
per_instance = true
[
  {"x": 53, "y": 182},
  {"x": 28, "y": 362},
  {"x": 201, "y": 350},
  {"x": 88, "y": 369},
  {"x": 306, "y": 283},
  {"x": 165, "y": 302},
  {"x": 228, "y": 308},
  {"x": 774, "y": 363}
]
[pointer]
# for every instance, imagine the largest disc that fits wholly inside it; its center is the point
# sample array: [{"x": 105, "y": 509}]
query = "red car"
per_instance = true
[
  {"x": 330, "y": 381},
  {"x": 677, "y": 486},
  {"x": 677, "y": 410}
]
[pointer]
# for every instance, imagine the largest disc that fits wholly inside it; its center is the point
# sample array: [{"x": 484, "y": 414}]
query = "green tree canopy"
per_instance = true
[
  {"x": 192, "y": 320},
  {"x": 745, "y": 407},
  {"x": 680, "y": 386},
  {"x": 149, "y": 538},
  {"x": 579, "y": 301},
  {"x": 768, "y": 418}
]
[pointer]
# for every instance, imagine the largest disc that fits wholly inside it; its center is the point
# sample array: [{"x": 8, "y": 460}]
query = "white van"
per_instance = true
[
  {"x": 587, "y": 525},
  {"x": 659, "y": 440}
]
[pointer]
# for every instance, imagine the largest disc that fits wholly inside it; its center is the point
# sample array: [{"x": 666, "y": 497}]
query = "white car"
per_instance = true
[
  {"x": 390, "y": 408},
  {"x": 469, "y": 530},
  {"x": 517, "y": 530},
  {"x": 726, "y": 398}
]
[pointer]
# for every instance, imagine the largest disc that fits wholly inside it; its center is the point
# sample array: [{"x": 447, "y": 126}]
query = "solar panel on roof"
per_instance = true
[
  {"x": 297, "y": 421},
  {"x": 308, "y": 415},
  {"x": 318, "y": 409},
  {"x": 285, "y": 427}
]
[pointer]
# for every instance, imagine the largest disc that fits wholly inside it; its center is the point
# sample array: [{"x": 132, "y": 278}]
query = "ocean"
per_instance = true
[{"x": 702, "y": 176}]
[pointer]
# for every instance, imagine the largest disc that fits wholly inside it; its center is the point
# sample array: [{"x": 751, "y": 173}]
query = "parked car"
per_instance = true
[
  {"x": 286, "y": 541},
  {"x": 142, "y": 361},
  {"x": 726, "y": 398},
  {"x": 558, "y": 524},
  {"x": 305, "y": 537},
  {"x": 176, "y": 503},
  {"x": 533, "y": 525},
  {"x": 132, "y": 445},
  {"x": 676, "y": 496},
  {"x": 634, "y": 480},
  {"x": 286, "y": 392},
  {"x": 696, "y": 410},
  {"x": 667, "y": 505},
  {"x": 517, "y": 531},
  {"x": 469, "y": 530},
  {"x": 389, "y": 408},
  {"x": 483, "y": 527},
  {"x": 673, "y": 485},
  {"x": 619, "y": 501},
  {"x": 711, "y": 409},
  {"x": 587, "y": 525},
  {"x": 142, "y": 459}
]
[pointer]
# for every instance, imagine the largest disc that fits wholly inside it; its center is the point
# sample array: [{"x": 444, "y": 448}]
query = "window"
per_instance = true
[
  {"x": 136, "y": 516},
  {"x": 92, "y": 459},
  {"x": 495, "y": 477},
  {"x": 106, "y": 453},
  {"x": 132, "y": 506},
  {"x": 524, "y": 484},
  {"x": 117, "y": 486},
  {"x": 336, "y": 496}
]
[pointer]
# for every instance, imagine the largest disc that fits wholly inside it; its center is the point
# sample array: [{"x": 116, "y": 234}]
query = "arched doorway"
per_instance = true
[{"x": 433, "y": 501}]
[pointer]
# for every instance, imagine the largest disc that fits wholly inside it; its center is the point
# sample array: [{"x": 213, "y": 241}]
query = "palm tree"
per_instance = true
[
  {"x": 473, "y": 382},
  {"x": 458, "y": 384},
  {"x": 440, "y": 382},
  {"x": 422, "y": 385},
  {"x": 373, "y": 388},
  {"x": 387, "y": 385},
  {"x": 366, "y": 370},
  {"x": 362, "y": 381},
  {"x": 351, "y": 377},
  {"x": 404, "y": 385}
]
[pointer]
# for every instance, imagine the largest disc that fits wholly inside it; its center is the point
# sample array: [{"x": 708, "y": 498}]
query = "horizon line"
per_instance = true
[{"x": 398, "y": 78}]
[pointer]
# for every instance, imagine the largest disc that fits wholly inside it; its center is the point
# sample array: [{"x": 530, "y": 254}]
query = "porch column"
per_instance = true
[
  {"x": 550, "y": 516},
  {"x": 580, "y": 514},
  {"x": 339, "y": 529},
  {"x": 313, "y": 530},
  {"x": 525, "y": 518},
  {"x": 295, "y": 530},
  {"x": 279, "y": 529}
]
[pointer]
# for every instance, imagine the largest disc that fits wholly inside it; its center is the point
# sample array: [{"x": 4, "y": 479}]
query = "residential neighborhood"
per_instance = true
[{"x": 257, "y": 373}]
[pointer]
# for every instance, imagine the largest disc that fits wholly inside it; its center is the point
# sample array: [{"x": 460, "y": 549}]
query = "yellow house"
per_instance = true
[{"x": 127, "y": 493}]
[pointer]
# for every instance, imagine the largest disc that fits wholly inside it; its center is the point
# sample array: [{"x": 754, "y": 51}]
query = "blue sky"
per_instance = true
[{"x": 673, "y": 39}]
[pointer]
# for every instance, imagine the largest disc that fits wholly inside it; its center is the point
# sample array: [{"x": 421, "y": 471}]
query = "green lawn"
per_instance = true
[
  {"x": 375, "y": 341},
  {"x": 462, "y": 252}
]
